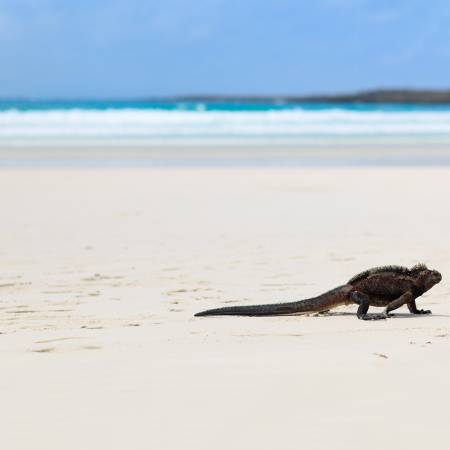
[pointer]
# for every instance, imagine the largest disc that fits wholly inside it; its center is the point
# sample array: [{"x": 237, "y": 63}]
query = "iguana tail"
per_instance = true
[{"x": 326, "y": 301}]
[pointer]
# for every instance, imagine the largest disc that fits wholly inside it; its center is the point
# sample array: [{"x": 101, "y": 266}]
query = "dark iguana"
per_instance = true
[{"x": 388, "y": 286}]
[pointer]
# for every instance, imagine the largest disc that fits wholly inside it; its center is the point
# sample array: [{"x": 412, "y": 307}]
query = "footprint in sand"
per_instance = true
[
  {"x": 53, "y": 349},
  {"x": 44, "y": 350},
  {"x": 69, "y": 348},
  {"x": 21, "y": 311},
  {"x": 48, "y": 341}
]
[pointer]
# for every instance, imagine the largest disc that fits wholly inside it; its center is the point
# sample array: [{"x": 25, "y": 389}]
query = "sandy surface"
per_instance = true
[{"x": 101, "y": 272}]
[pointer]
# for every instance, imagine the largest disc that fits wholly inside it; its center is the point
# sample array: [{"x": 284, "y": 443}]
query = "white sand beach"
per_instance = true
[{"x": 102, "y": 271}]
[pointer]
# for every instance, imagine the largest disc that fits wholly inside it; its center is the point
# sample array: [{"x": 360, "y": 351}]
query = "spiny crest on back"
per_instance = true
[
  {"x": 394, "y": 269},
  {"x": 418, "y": 267}
]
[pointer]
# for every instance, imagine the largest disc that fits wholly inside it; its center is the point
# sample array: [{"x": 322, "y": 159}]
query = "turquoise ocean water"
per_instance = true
[
  {"x": 283, "y": 132},
  {"x": 174, "y": 105}
]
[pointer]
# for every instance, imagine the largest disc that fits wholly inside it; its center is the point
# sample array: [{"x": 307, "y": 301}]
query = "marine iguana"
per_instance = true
[{"x": 388, "y": 286}]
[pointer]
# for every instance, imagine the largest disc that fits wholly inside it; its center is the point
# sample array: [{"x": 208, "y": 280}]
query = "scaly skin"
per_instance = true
[{"x": 388, "y": 286}]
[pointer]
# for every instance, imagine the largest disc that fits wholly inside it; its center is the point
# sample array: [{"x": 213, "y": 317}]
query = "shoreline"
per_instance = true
[{"x": 194, "y": 154}]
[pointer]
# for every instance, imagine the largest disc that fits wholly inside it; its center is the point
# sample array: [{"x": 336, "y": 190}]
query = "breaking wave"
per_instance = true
[{"x": 149, "y": 124}]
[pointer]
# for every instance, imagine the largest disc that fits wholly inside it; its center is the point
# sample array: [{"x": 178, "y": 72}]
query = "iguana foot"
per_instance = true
[
  {"x": 423, "y": 311},
  {"x": 413, "y": 309},
  {"x": 373, "y": 316}
]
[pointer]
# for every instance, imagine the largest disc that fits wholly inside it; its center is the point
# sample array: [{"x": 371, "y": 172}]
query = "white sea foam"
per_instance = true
[{"x": 161, "y": 124}]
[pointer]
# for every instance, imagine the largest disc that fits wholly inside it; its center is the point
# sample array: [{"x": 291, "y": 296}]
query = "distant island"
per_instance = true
[
  {"x": 372, "y": 96},
  {"x": 393, "y": 96}
]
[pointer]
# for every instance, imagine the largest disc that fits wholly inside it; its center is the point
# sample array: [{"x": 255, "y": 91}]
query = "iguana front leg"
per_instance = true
[
  {"x": 405, "y": 298},
  {"x": 363, "y": 300},
  {"x": 413, "y": 308}
]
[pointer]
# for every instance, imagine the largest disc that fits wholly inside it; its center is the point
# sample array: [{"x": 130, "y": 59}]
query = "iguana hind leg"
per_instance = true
[
  {"x": 363, "y": 300},
  {"x": 413, "y": 308}
]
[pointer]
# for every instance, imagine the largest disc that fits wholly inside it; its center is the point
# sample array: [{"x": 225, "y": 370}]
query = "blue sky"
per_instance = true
[{"x": 128, "y": 48}]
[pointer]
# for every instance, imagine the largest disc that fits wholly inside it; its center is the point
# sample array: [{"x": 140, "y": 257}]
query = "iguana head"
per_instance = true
[{"x": 425, "y": 278}]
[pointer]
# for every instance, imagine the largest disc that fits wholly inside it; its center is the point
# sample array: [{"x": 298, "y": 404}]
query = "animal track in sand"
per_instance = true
[
  {"x": 207, "y": 297},
  {"x": 184, "y": 290},
  {"x": 98, "y": 277},
  {"x": 16, "y": 311},
  {"x": 6, "y": 285},
  {"x": 177, "y": 291},
  {"x": 66, "y": 291},
  {"x": 268, "y": 335},
  {"x": 54, "y": 349},
  {"x": 170, "y": 269},
  {"x": 48, "y": 341},
  {"x": 70, "y": 346}
]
